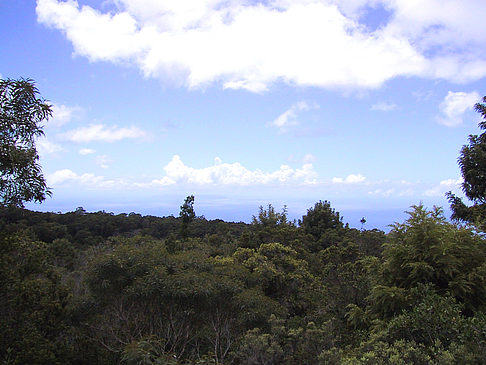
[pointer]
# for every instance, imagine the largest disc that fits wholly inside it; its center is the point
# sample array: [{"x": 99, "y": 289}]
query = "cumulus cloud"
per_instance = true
[
  {"x": 62, "y": 176},
  {"x": 384, "y": 107},
  {"x": 233, "y": 174},
  {"x": 454, "y": 106},
  {"x": 62, "y": 114},
  {"x": 289, "y": 117},
  {"x": 350, "y": 179},
  {"x": 250, "y": 45},
  {"x": 100, "y": 132}
]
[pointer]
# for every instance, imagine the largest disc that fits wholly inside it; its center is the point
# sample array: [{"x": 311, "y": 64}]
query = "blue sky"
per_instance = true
[{"x": 365, "y": 103}]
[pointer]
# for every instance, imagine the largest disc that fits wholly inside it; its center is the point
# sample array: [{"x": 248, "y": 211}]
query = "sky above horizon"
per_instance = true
[{"x": 242, "y": 103}]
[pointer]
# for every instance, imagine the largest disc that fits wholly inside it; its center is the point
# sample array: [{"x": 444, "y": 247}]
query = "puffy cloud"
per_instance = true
[
  {"x": 67, "y": 176},
  {"x": 233, "y": 174},
  {"x": 62, "y": 114},
  {"x": 250, "y": 45},
  {"x": 95, "y": 35},
  {"x": 350, "y": 179},
  {"x": 458, "y": 23},
  {"x": 99, "y": 132},
  {"x": 454, "y": 106},
  {"x": 451, "y": 39},
  {"x": 289, "y": 117},
  {"x": 61, "y": 176},
  {"x": 384, "y": 107}
]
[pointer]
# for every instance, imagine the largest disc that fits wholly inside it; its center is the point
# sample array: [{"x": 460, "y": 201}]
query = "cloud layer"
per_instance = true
[
  {"x": 67, "y": 176},
  {"x": 100, "y": 132},
  {"x": 227, "y": 176},
  {"x": 250, "y": 45},
  {"x": 233, "y": 174}
]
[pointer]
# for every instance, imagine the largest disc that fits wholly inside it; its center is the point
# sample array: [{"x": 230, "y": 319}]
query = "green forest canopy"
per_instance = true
[{"x": 99, "y": 288}]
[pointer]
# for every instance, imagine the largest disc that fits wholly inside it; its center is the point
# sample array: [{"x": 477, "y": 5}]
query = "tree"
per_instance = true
[
  {"x": 187, "y": 214},
  {"x": 321, "y": 218},
  {"x": 22, "y": 113},
  {"x": 363, "y": 222},
  {"x": 34, "y": 306},
  {"x": 269, "y": 217},
  {"x": 472, "y": 161},
  {"x": 428, "y": 250},
  {"x": 324, "y": 224}
]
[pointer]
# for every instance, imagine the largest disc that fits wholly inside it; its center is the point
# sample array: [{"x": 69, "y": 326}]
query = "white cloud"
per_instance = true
[
  {"x": 250, "y": 45},
  {"x": 233, "y": 174},
  {"x": 98, "y": 36},
  {"x": 45, "y": 147},
  {"x": 350, "y": 179},
  {"x": 86, "y": 151},
  {"x": 384, "y": 107},
  {"x": 99, "y": 132},
  {"x": 62, "y": 114},
  {"x": 90, "y": 180},
  {"x": 289, "y": 117},
  {"x": 443, "y": 187},
  {"x": 393, "y": 192},
  {"x": 456, "y": 23},
  {"x": 454, "y": 106},
  {"x": 388, "y": 188},
  {"x": 62, "y": 176}
]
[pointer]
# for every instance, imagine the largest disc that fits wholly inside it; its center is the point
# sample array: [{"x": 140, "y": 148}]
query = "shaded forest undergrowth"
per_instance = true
[{"x": 98, "y": 288}]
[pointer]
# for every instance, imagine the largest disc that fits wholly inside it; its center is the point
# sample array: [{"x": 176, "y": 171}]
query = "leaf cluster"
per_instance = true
[{"x": 22, "y": 114}]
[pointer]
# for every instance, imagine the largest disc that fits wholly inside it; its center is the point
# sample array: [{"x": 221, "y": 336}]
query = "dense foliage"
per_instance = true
[
  {"x": 22, "y": 113},
  {"x": 99, "y": 288},
  {"x": 472, "y": 161}
]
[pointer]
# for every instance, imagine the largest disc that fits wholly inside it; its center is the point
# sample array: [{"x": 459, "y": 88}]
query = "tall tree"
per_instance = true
[
  {"x": 428, "y": 250},
  {"x": 472, "y": 161},
  {"x": 187, "y": 214},
  {"x": 321, "y": 218},
  {"x": 324, "y": 224},
  {"x": 22, "y": 113}
]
